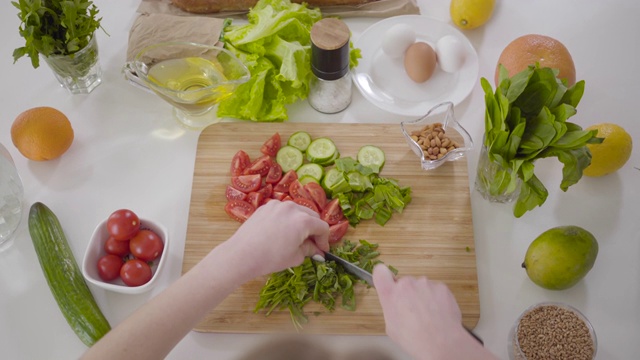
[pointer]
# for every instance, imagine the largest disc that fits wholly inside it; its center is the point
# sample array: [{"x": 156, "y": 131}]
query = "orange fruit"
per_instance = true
[
  {"x": 42, "y": 133},
  {"x": 529, "y": 49}
]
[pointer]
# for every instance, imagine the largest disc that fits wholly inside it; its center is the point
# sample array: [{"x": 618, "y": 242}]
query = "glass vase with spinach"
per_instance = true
[
  {"x": 63, "y": 32},
  {"x": 525, "y": 120}
]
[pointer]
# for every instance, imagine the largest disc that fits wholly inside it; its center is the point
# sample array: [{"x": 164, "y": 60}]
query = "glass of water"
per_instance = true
[{"x": 11, "y": 193}]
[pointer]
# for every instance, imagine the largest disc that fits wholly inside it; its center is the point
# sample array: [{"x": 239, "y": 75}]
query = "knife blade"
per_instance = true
[
  {"x": 363, "y": 274},
  {"x": 351, "y": 268}
]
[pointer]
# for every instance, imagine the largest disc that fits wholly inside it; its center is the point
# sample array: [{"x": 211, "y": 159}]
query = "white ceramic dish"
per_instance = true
[
  {"x": 383, "y": 81},
  {"x": 95, "y": 250}
]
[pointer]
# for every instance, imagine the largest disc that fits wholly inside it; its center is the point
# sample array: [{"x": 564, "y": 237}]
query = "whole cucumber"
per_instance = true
[{"x": 64, "y": 277}]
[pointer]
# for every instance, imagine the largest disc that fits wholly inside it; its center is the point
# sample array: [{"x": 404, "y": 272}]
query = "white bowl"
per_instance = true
[{"x": 95, "y": 250}]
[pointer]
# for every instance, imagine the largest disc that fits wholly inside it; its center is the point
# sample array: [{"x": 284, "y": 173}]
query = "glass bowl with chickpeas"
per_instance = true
[{"x": 437, "y": 137}]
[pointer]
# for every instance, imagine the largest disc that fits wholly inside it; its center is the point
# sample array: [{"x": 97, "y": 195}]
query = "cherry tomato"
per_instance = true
[
  {"x": 275, "y": 174},
  {"x": 239, "y": 162},
  {"x": 317, "y": 194},
  {"x": 260, "y": 166},
  {"x": 123, "y": 224},
  {"x": 135, "y": 272},
  {"x": 255, "y": 199},
  {"x": 285, "y": 182},
  {"x": 239, "y": 210},
  {"x": 266, "y": 191},
  {"x": 109, "y": 267},
  {"x": 271, "y": 146},
  {"x": 306, "y": 203},
  {"x": 115, "y": 247},
  {"x": 296, "y": 190},
  {"x": 234, "y": 194},
  {"x": 146, "y": 245},
  {"x": 332, "y": 213},
  {"x": 337, "y": 231},
  {"x": 246, "y": 183}
]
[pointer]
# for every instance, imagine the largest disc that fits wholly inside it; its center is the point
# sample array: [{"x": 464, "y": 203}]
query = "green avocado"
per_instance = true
[{"x": 560, "y": 257}]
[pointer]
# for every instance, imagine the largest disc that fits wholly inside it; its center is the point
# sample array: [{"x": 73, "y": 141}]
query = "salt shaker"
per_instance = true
[
  {"x": 11, "y": 192},
  {"x": 330, "y": 87}
]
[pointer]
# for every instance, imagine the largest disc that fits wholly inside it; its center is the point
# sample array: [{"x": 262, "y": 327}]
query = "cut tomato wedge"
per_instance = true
[
  {"x": 266, "y": 191},
  {"x": 332, "y": 213},
  {"x": 317, "y": 194},
  {"x": 337, "y": 231},
  {"x": 271, "y": 146},
  {"x": 285, "y": 182},
  {"x": 275, "y": 173},
  {"x": 234, "y": 194},
  {"x": 306, "y": 203},
  {"x": 246, "y": 183},
  {"x": 259, "y": 166},
  {"x": 296, "y": 190},
  {"x": 239, "y": 210},
  {"x": 239, "y": 162},
  {"x": 276, "y": 195},
  {"x": 255, "y": 199}
]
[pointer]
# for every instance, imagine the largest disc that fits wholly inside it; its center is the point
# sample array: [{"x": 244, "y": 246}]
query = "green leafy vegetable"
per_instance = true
[
  {"x": 324, "y": 283},
  {"x": 55, "y": 27},
  {"x": 525, "y": 120},
  {"x": 276, "y": 47}
]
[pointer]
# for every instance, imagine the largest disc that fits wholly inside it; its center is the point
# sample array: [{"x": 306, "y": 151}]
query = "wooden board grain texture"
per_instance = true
[{"x": 432, "y": 237}]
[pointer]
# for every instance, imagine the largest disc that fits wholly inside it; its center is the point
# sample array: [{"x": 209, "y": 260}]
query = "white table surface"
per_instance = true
[{"x": 129, "y": 152}]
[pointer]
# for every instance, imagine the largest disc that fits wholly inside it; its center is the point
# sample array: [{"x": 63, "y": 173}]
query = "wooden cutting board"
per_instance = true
[{"x": 433, "y": 237}]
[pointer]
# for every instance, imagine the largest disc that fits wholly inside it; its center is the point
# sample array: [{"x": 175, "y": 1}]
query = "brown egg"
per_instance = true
[{"x": 420, "y": 62}]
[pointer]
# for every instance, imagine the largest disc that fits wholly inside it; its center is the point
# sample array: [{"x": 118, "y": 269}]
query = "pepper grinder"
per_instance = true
[{"x": 330, "y": 85}]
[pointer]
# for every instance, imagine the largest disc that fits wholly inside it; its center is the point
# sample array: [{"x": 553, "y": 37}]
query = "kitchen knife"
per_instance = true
[{"x": 363, "y": 274}]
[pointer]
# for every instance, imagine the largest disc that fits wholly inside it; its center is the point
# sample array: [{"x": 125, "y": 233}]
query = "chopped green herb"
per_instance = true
[{"x": 324, "y": 283}]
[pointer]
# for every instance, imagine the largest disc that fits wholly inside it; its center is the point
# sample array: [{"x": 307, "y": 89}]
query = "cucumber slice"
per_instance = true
[
  {"x": 314, "y": 170},
  {"x": 300, "y": 140},
  {"x": 321, "y": 150},
  {"x": 289, "y": 158},
  {"x": 331, "y": 161},
  {"x": 305, "y": 179},
  {"x": 334, "y": 182},
  {"x": 372, "y": 157}
]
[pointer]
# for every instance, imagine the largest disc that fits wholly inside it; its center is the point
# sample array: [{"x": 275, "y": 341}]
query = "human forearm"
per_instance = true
[{"x": 167, "y": 318}]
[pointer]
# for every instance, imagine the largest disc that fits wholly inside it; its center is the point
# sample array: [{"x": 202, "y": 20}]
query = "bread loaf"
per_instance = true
[{"x": 214, "y": 6}]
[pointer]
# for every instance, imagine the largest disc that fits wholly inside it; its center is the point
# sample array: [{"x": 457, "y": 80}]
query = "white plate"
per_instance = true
[{"x": 384, "y": 82}]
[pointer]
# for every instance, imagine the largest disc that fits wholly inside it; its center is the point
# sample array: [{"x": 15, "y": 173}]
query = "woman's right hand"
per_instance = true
[{"x": 423, "y": 317}]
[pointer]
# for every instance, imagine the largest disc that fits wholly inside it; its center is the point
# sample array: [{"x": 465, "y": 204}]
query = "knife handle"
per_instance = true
[{"x": 474, "y": 336}]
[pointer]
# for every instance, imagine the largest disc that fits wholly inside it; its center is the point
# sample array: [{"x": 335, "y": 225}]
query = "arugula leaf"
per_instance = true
[
  {"x": 55, "y": 27},
  {"x": 323, "y": 283}
]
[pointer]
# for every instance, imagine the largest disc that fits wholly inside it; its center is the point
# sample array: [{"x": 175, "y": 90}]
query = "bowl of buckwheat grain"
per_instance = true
[
  {"x": 552, "y": 330},
  {"x": 437, "y": 137}
]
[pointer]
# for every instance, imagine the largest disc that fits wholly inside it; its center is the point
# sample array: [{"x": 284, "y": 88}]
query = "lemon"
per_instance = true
[
  {"x": 612, "y": 153},
  {"x": 469, "y": 14}
]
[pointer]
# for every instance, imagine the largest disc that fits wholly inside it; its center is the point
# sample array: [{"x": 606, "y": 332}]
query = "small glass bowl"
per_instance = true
[
  {"x": 514, "y": 350},
  {"x": 453, "y": 130}
]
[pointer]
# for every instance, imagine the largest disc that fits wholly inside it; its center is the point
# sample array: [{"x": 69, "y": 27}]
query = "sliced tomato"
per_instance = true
[
  {"x": 317, "y": 194},
  {"x": 266, "y": 191},
  {"x": 239, "y": 162},
  {"x": 239, "y": 210},
  {"x": 259, "y": 166},
  {"x": 255, "y": 199},
  {"x": 287, "y": 198},
  {"x": 337, "y": 231},
  {"x": 276, "y": 195},
  {"x": 285, "y": 182},
  {"x": 332, "y": 213},
  {"x": 246, "y": 183},
  {"x": 296, "y": 190},
  {"x": 234, "y": 194},
  {"x": 306, "y": 203},
  {"x": 275, "y": 174},
  {"x": 271, "y": 146}
]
